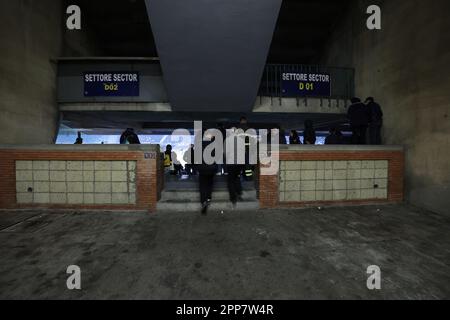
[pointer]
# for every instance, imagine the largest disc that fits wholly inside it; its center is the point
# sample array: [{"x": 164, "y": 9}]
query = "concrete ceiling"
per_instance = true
[
  {"x": 303, "y": 28},
  {"x": 121, "y": 28}
]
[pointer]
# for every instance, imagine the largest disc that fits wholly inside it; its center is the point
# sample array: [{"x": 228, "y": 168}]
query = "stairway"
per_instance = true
[{"x": 183, "y": 196}]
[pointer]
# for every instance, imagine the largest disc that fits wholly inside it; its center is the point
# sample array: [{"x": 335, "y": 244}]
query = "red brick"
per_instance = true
[
  {"x": 268, "y": 185},
  {"x": 147, "y": 175}
]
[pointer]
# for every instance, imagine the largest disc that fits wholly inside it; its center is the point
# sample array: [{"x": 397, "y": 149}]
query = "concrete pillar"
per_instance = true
[
  {"x": 406, "y": 67},
  {"x": 31, "y": 33}
]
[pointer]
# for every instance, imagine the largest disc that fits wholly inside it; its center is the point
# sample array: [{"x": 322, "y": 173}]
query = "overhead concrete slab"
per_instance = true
[
  {"x": 213, "y": 52},
  {"x": 120, "y": 120}
]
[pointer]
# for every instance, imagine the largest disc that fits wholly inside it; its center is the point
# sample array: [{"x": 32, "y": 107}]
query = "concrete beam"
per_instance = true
[
  {"x": 130, "y": 106},
  {"x": 213, "y": 52}
]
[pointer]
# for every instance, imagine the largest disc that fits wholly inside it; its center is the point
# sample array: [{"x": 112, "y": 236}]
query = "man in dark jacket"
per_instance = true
[
  {"x": 294, "y": 138},
  {"x": 376, "y": 121},
  {"x": 234, "y": 170},
  {"x": 282, "y": 135},
  {"x": 358, "y": 115},
  {"x": 207, "y": 173},
  {"x": 309, "y": 135},
  {"x": 247, "y": 169},
  {"x": 335, "y": 137},
  {"x": 189, "y": 158},
  {"x": 129, "y": 137},
  {"x": 79, "y": 139}
]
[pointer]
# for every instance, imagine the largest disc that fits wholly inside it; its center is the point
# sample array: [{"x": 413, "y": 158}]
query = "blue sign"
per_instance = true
[
  {"x": 306, "y": 85},
  {"x": 111, "y": 84}
]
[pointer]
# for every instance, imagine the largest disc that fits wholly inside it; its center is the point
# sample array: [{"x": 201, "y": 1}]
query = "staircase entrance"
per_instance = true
[{"x": 182, "y": 194}]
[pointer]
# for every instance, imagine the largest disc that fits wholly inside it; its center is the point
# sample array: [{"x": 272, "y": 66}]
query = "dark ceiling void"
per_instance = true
[
  {"x": 121, "y": 28},
  {"x": 303, "y": 29}
]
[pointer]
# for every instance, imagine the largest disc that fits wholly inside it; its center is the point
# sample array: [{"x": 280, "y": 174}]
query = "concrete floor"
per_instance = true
[{"x": 293, "y": 254}]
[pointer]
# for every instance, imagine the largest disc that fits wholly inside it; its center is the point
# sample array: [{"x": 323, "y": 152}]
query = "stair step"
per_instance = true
[
  {"x": 215, "y": 206},
  {"x": 194, "y": 195},
  {"x": 195, "y": 186}
]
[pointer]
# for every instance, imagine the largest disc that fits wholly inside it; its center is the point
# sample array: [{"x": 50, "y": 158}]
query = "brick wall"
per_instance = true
[
  {"x": 160, "y": 173},
  {"x": 75, "y": 182},
  {"x": 271, "y": 196},
  {"x": 146, "y": 177}
]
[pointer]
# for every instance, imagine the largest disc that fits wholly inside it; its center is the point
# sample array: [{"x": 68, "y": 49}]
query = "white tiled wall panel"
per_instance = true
[
  {"x": 76, "y": 182},
  {"x": 309, "y": 181}
]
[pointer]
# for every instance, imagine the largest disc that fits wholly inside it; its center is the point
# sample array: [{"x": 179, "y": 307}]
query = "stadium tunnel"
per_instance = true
[{"x": 218, "y": 61}]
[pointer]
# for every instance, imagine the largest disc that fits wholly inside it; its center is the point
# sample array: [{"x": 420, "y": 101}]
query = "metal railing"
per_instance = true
[{"x": 342, "y": 80}]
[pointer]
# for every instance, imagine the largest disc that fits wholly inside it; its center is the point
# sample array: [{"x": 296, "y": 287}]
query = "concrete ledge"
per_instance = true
[
  {"x": 83, "y": 148},
  {"x": 116, "y": 106},
  {"x": 106, "y": 59},
  {"x": 338, "y": 148}
]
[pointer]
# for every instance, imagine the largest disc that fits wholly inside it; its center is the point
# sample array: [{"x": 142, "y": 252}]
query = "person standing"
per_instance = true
[
  {"x": 282, "y": 136},
  {"x": 168, "y": 158},
  {"x": 222, "y": 168},
  {"x": 79, "y": 139},
  {"x": 309, "y": 135},
  {"x": 129, "y": 137},
  {"x": 358, "y": 115},
  {"x": 335, "y": 137},
  {"x": 294, "y": 137},
  {"x": 376, "y": 121},
  {"x": 207, "y": 172},
  {"x": 188, "y": 157},
  {"x": 243, "y": 123},
  {"x": 234, "y": 170},
  {"x": 171, "y": 162},
  {"x": 248, "y": 168}
]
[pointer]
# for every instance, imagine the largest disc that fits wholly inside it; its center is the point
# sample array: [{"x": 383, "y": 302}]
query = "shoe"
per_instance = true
[
  {"x": 205, "y": 207},
  {"x": 234, "y": 205}
]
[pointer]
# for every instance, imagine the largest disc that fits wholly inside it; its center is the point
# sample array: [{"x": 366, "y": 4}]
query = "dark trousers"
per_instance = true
[
  {"x": 177, "y": 169},
  {"x": 206, "y": 186},
  {"x": 375, "y": 134},
  {"x": 234, "y": 181},
  {"x": 359, "y": 135},
  {"x": 191, "y": 170}
]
